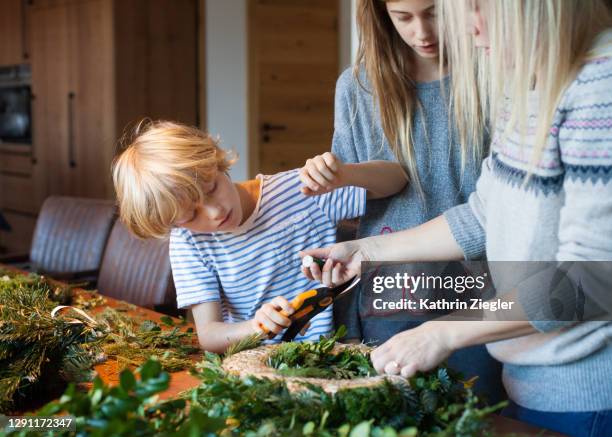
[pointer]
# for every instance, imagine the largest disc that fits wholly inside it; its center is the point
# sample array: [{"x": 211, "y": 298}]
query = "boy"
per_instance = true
[{"x": 234, "y": 246}]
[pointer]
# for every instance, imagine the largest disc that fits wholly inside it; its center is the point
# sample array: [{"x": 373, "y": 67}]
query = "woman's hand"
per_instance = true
[
  {"x": 269, "y": 317},
  {"x": 418, "y": 349},
  {"x": 343, "y": 262},
  {"x": 321, "y": 174}
]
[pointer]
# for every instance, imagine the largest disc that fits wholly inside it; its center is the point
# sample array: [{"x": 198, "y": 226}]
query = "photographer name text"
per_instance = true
[{"x": 442, "y": 304}]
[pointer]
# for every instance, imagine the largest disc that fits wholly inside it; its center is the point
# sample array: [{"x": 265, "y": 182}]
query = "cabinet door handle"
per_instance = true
[
  {"x": 33, "y": 158},
  {"x": 71, "y": 158},
  {"x": 24, "y": 10}
]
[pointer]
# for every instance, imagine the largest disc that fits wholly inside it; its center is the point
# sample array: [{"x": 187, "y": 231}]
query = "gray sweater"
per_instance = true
[
  {"x": 358, "y": 137},
  {"x": 564, "y": 213}
]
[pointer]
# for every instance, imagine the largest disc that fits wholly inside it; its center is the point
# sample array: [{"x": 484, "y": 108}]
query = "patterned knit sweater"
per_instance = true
[{"x": 563, "y": 213}]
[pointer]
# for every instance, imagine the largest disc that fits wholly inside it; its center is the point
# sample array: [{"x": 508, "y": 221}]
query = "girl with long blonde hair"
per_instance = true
[
  {"x": 392, "y": 106},
  {"x": 542, "y": 75}
]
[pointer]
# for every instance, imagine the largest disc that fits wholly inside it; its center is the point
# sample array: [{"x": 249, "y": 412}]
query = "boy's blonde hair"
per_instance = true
[{"x": 161, "y": 171}]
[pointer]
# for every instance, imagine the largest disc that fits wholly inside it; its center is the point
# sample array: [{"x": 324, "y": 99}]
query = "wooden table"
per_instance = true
[
  {"x": 181, "y": 381},
  {"x": 109, "y": 370}
]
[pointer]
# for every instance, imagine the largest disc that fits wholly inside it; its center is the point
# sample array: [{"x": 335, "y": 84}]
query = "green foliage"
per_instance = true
[
  {"x": 131, "y": 343},
  {"x": 226, "y": 405},
  {"x": 265, "y": 407},
  {"x": 315, "y": 360},
  {"x": 35, "y": 349},
  {"x": 39, "y": 353},
  {"x": 250, "y": 342},
  {"x": 130, "y": 409}
]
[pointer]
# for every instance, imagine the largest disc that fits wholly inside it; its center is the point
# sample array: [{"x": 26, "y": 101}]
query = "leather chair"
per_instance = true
[
  {"x": 137, "y": 271},
  {"x": 69, "y": 238}
]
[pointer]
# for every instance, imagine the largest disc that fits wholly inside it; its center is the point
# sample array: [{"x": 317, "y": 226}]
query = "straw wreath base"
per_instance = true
[{"x": 252, "y": 362}]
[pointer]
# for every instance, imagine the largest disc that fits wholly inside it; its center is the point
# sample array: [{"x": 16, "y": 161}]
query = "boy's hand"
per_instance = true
[
  {"x": 269, "y": 318},
  {"x": 321, "y": 174}
]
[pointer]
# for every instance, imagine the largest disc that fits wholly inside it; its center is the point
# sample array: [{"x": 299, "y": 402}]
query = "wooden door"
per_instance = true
[
  {"x": 293, "y": 49},
  {"x": 13, "y": 32},
  {"x": 90, "y": 100}
]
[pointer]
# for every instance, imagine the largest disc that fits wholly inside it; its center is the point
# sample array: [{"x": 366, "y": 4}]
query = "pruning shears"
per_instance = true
[{"x": 312, "y": 302}]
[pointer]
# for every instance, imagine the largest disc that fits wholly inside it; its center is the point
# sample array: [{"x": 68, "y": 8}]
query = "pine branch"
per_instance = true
[
  {"x": 133, "y": 342},
  {"x": 250, "y": 342},
  {"x": 36, "y": 349}
]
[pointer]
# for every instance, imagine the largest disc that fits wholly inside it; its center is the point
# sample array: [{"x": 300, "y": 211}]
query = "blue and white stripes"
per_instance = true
[{"x": 245, "y": 269}]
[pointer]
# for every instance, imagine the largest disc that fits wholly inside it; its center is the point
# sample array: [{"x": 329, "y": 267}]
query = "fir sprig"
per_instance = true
[
  {"x": 261, "y": 406},
  {"x": 132, "y": 342},
  {"x": 250, "y": 342},
  {"x": 227, "y": 405},
  {"x": 38, "y": 352},
  {"x": 315, "y": 360}
]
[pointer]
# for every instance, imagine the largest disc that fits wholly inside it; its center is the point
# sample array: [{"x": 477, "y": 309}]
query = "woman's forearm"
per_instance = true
[
  {"x": 460, "y": 334},
  {"x": 431, "y": 241}
]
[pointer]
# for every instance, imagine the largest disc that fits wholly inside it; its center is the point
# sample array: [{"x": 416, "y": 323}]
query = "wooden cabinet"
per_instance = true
[
  {"x": 97, "y": 66},
  {"x": 19, "y": 239},
  {"x": 14, "y": 35},
  {"x": 72, "y": 78},
  {"x": 18, "y": 206}
]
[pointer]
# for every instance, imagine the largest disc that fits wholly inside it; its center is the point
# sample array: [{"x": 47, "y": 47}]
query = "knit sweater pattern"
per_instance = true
[{"x": 562, "y": 212}]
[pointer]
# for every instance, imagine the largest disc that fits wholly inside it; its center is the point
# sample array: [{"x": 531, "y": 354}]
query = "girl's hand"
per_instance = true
[
  {"x": 343, "y": 262},
  {"x": 418, "y": 349},
  {"x": 268, "y": 319},
  {"x": 321, "y": 174}
]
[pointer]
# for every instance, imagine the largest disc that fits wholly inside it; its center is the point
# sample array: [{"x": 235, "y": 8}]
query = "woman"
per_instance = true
[
  {"x": 391, "y": 106},
  {"x": 545, "y": 193}
]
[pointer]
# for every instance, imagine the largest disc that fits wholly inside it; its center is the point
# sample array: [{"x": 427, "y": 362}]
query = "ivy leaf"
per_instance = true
[
  {"x": 150, "y": 369},
  {"x": 167, "y": 320},
  {"x": 361, "y": 430},
  {"x": 127, "y": 380},
  {"x": 344, "y": 430},
  {"x": 387, "y": 431},
  {"x": 420, "y": 382},
  {"x": 96, "y": 396},
  {"x": 308, "y": 428},
  {"x": 409, "y": 432}
]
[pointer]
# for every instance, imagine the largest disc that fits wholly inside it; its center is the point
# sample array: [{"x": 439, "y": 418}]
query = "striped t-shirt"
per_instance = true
[{"x": 246, "y": 268}]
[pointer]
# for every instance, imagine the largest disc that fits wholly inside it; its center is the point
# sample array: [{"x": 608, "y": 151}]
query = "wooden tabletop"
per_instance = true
[
  {"x": 109, "y": 370},
  {"x": 181, "y": 381}
]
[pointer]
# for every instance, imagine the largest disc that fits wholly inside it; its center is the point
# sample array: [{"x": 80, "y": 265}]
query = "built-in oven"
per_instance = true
[{"x": 15, "y": 104}]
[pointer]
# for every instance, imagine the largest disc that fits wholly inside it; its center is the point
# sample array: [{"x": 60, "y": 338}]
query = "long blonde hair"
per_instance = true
[
  {"x": 535, "y": 46},
  {"x": 388, "y": 65},
  {"x": 468, "y": 72}
]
